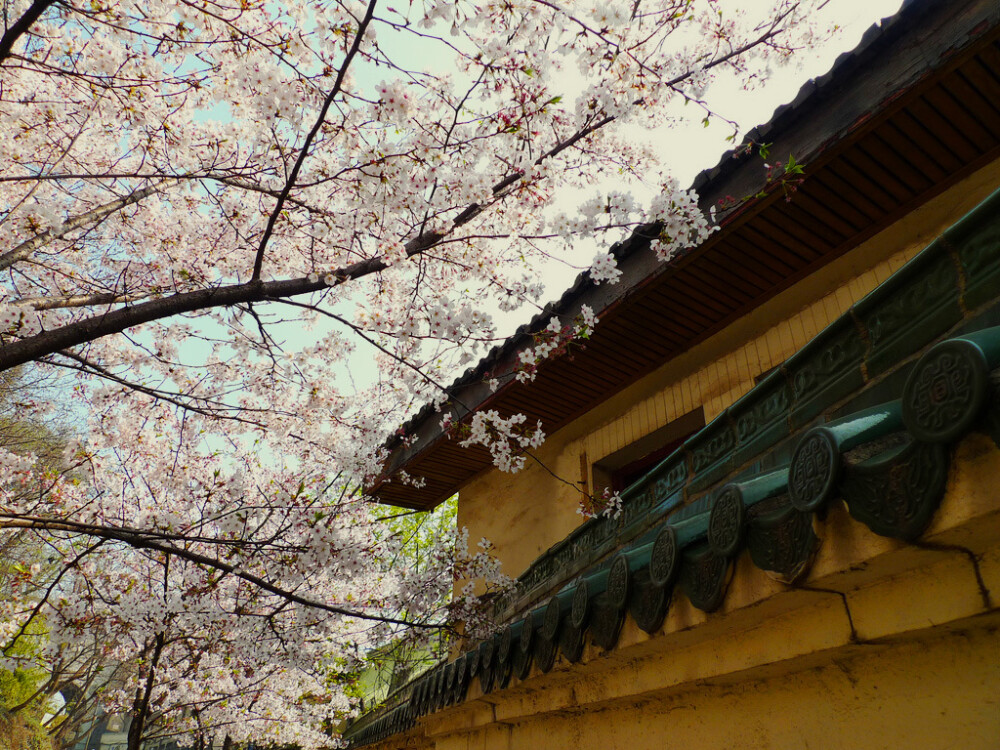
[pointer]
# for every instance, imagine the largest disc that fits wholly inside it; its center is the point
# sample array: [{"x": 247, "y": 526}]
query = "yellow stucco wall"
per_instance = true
[
  {"x": 526, "y": 513},
  {"x": 925, "y": 693}
]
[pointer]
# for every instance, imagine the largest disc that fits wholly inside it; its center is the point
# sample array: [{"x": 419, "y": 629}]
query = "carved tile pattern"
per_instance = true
[
  {"x": 898, "y": 312},
  {"x": 712, "y": 448},
  {"x": 761, "y": 413},
  {"x": 528, "y": 632},
  {"x": 783, "y": 543},
  {"x": 472, "y": 664},
  {"x": 703, "y": 578},
  {"x": 637, "y": 507},
  {"x": 725, "y": 523},
  {"x": 506, "y": 642},
  {"x": 590, "y": 539},
  {"x": 812, "y": 471},
  {"x": 671, "y": 481},
  {"x": 840, "y": 353},
  {"x": 898, "y": 497},
  {"x": 486, "y": 655},
  {"x": 594, "y": 537},
  {"x": 461, "y": 672},
  {"x": 580, "y": 611},
  {"x": 439, "y": 685},
  {"x": 946, "y": 392},
  {"x": 663, "y": 559},
  {"x": 618, "y": 583},
  {"x": 979, "y": 254},
  {"x": 552, "y": 619}
]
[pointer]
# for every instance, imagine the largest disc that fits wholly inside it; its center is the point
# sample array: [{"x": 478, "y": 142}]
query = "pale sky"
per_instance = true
[{"x": 752, "y": 108}]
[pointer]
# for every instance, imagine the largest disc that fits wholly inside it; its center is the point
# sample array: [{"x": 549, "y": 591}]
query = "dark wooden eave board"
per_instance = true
[{"x": 877, "y": 149}]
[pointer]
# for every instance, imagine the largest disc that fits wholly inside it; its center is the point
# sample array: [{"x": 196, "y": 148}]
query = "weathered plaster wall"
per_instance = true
[
  {"x": 526, "y": 513},
  {"x": 925, "y": 693}
]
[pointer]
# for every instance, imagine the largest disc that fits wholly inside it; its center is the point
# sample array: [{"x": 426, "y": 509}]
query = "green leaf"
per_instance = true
[{"x": 793, "y": 167}]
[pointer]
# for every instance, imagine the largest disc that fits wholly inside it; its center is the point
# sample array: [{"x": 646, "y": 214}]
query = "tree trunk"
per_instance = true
[{"x": 141, "y": 706}]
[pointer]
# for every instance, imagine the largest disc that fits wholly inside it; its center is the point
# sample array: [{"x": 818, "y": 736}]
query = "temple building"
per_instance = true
[{"x": 802, "y": 416}]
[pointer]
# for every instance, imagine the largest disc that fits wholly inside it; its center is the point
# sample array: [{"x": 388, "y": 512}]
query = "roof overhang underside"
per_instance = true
[{"x": 912, "y": 111}]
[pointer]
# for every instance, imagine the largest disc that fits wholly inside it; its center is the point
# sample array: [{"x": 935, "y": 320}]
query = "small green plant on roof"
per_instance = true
[{"x": 785, "y": 176}]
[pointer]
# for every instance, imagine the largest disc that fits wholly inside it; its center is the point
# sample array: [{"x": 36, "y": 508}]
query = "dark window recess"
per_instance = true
[
  {"x": 623, "y": 467},
  {"x": 631, "y": 472}
]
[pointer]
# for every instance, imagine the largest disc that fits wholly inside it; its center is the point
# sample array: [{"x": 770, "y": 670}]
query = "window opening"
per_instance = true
[{"x": 626, "y": 465}]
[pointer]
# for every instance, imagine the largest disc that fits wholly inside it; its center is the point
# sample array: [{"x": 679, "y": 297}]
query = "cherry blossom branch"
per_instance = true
[
  {"x": 212, "y": 407},
  {"x": 142, "y": 540},
  {"x": 364, "y": 336},
  {"x": 37, "y": 608},
  {"x": 90, "y": 329},
  {"x": 115, "y": 321},
  {"x": 258, "y": 262},
  {"x": 22, "y": 251},
  {"x": 80, "y": 300}
]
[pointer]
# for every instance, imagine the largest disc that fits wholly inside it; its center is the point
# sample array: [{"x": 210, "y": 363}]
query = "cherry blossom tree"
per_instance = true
[{"x": 213, "y": 211}]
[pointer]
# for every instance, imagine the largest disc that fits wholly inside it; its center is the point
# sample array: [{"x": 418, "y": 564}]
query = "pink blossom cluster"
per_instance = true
[
  {"x": 604, "y": 269},
  {"x": 553, "y": 339},
  {"x": 606, "y": 505},
  {"x": 683, "y": 224},
  {"x": 505, "y": 438}
]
